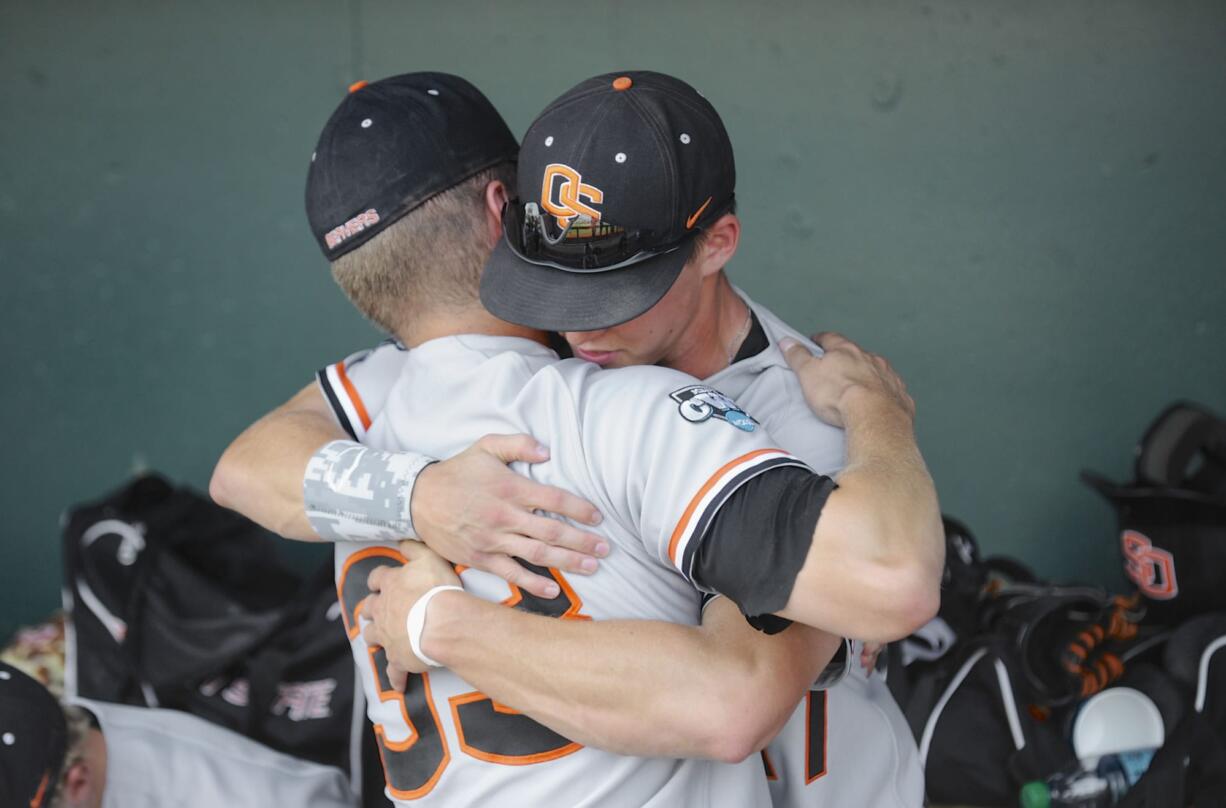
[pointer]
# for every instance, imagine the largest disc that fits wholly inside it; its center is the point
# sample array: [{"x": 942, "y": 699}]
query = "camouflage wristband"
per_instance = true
[{"x": 355, "y": 493}]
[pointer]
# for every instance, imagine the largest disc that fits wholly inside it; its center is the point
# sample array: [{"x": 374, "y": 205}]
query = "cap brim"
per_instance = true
[{"x": 553, "y": 299}]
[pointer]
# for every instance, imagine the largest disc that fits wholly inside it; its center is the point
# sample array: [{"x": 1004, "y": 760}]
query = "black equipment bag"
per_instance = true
[
  {"x": 175, "y": 602},
  {"x": 962, "y": 686},
  {"x": 1190, "y": 768},
  {"x": 989, "y": 704},
  {"x": 1195, "y": 657},
  {"x": 918, "y": 660},
  {"x": 1172, "y": 517},
  {"x": 978, "y": 740}
]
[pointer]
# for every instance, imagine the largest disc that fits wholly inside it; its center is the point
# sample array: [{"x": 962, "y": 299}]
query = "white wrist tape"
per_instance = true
[
  {"x": 415, "y": 623},
  {"x": 355, "y": 493}
]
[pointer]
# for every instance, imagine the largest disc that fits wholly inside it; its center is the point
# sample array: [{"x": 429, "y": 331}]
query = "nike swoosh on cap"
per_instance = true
[{"x": 689, "y": 223}]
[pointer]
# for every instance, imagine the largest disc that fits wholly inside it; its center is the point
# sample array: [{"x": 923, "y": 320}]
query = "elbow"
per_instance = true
[
  {"x": 912, "y": 581},
  {"x": 729, "y": 751},
  {"x": 923, "y": 596},
  {"x": 233, "y": 478},
  {"x": 222, "y": 484},
  {"x": 738, "y": 741},
  {"x": 919, "y": 602},
  {"x": 907, "y": 598},
  {"x": 743, "y": 725},
  {"x": 719, "y": 720}
]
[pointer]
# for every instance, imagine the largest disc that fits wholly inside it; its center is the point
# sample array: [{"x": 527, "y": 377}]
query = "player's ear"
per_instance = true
[
  {"x": 495, "y": 198},
  {"x": 77, "y": 784},
  {"x": 722, "y": 237}
]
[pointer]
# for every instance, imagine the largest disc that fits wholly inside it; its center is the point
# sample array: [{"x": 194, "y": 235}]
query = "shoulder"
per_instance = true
[
  {"x": 638, "y": 385},
  {"x": 357, "y": 387},
  {"x": 775, "y": 397},
  {"x": 779, "y": 403},
  {"x": 385, "y": 358},
  {"x": 661, "y": 395},
  {"x": 776, "y": 328}
]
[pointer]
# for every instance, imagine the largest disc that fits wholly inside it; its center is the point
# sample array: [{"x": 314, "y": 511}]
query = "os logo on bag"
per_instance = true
[{"x": 1151, "y": 568}]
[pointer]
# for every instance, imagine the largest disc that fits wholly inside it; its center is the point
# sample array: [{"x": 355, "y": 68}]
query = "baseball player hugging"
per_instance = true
[{"x": 750, "y": 520}]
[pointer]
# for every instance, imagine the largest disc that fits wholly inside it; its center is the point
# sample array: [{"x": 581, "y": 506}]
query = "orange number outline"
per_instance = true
[
  {"x": 514, "y": 600},
  {"x": 353, "y": 629}
]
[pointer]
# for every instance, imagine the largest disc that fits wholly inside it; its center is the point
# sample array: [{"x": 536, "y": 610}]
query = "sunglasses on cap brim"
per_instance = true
[{"x": 578, "y": 245}]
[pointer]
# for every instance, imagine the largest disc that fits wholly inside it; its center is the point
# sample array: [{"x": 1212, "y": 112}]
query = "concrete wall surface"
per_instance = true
[{"x": 1022, "y": 205}]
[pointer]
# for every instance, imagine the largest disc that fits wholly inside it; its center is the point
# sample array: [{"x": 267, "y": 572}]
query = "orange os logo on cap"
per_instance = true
[{"x": 562, "y": 194}]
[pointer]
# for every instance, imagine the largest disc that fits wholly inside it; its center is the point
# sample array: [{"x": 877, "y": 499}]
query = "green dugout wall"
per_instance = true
[{"x": 1023, "y": 205}]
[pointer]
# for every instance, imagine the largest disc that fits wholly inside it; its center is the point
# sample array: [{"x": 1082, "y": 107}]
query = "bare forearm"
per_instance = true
[
  {"x": 543, "y": 667},
  {"x": 485, "y": 512},
  {"x": 627, "y": 686},
  {"x": 260, "y": 474},
  {"x": 902, "y": 516},
  {"x": 873, "y": 570}
]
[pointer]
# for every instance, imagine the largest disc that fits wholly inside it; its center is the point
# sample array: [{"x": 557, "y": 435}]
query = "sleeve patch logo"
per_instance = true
[{"x": 697, "y": 403}]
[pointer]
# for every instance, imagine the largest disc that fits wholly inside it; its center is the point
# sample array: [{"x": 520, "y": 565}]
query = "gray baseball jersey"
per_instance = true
[
  {"x": 659, "y": 455},
  {"x": 846, "y": 745},
  {"x": 156, "y": 758}
]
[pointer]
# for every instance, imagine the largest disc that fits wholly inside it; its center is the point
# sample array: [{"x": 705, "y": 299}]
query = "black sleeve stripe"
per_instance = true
[
  {"x": 704, "y": 521},
  {"x": 757, "y": 543},
  {"x": 335, "y": 403}
]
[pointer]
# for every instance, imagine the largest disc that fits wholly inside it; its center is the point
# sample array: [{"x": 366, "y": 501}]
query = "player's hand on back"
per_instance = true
[
  {"x": 844, "y": 376},
  {"x": 393, "y": 591},
  {"x": 473, "y": 510}
]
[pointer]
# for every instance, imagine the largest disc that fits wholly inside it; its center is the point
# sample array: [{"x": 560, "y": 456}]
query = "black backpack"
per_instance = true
[{"x": 175, "y": 602}]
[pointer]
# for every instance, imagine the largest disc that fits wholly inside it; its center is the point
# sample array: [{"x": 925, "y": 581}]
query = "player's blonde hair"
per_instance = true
[{"x": 431, "y": 259}]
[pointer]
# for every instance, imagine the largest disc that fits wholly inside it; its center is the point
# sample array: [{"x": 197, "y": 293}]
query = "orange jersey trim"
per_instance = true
[
  {"x": 384, "y": 745},
  {"x": 352, "y": 392},
  {"x": 679, "y": 531}
]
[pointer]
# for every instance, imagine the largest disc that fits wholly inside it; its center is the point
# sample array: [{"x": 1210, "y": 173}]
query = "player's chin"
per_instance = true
[{"x": 621, "y": 359}]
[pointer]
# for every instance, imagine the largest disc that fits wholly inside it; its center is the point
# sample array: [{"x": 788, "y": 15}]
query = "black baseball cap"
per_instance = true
[
  {"x": 391, "y": 145},
  {"x": 33, "y": 739},
  {"x": 616, "y": 177}
]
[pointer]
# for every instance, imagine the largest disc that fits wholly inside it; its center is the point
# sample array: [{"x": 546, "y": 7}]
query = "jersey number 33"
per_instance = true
[{"x": 484, "y": 729}]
